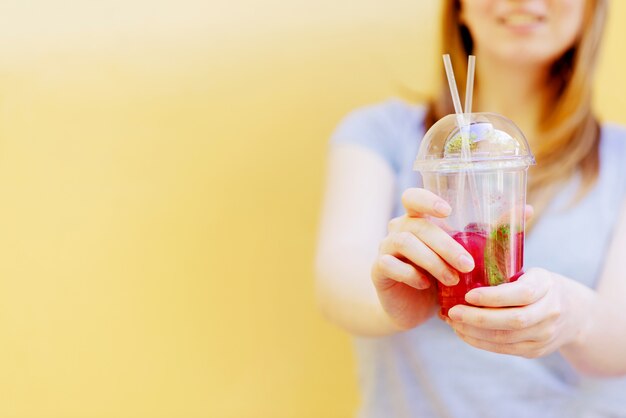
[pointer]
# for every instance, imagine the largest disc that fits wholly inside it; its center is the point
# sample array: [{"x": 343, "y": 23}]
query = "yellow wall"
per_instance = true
[{"x": 161, "y": 167}]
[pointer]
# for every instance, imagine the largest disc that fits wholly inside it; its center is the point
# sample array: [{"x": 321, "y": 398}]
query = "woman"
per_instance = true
[{"x": 552, "y": 343}]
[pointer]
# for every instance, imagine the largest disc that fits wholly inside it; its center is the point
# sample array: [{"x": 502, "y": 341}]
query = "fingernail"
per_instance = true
[
  {"x": 450, "y": 278},
  {"x": 466, "y": 262},
  {"x": 424, "y": 284},
  {"x": 442, "y": 208},
  {"x": 473, "y": 297},
  {"x": 455, "y": 315}
]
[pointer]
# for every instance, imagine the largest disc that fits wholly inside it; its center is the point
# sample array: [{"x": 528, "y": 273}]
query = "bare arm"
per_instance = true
[{"x": 357, "y": 206}]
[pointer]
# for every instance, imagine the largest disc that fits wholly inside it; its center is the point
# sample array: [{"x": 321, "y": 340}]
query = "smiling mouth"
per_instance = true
[{"x": 521, "y": 19}]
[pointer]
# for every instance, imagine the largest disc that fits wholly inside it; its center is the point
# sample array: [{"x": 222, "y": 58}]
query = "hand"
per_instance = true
[
  {"x": 413, "y": 254},
  {"x": 531, "y": 317}
]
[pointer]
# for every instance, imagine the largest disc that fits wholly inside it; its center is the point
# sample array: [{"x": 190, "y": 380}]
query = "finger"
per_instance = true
[
  {"x": 542, "y": 332},
  {"x": 526, "y": 349},
  {"x": 528, "y": 289},
  {"x": 419, "y": 202},
  {"x": 389, "y": 269},
  {"x": 440, "y": 242},
  {"x": 407, "y": 245},
  {"x": 498, "y": 318}
]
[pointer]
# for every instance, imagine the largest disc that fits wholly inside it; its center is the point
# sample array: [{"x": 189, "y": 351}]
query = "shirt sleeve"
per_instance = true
[{"x": 379, "y": 128}]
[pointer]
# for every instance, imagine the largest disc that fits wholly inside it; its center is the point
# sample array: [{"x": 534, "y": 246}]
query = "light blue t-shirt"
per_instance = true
[{"x": 428, "y": 372}]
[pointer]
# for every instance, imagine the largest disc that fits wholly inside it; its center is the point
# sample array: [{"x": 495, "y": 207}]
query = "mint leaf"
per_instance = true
[{"x": 497, "y": 255}]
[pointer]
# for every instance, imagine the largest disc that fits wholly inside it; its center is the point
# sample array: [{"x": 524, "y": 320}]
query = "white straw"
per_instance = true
[
  {"x": 456, "y": 100},
  {"x": 452, "y": 83},
  {"x": 469, "y": 86},
  {"x": 469, "y": 91},
  {"x": 463, "y": 121}
]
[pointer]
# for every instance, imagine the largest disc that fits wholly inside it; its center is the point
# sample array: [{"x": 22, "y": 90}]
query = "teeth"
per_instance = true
[{"x": 521, "y": 19}]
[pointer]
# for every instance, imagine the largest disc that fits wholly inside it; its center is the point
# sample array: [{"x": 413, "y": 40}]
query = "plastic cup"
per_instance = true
[{"x": 480, "y": 168}]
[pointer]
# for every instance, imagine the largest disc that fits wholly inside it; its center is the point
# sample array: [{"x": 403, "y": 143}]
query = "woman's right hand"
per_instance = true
[{"x": 414, "y": 253}]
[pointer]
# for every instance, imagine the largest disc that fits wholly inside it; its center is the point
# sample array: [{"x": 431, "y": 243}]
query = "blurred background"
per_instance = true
[{"x": 161, "y": 170}]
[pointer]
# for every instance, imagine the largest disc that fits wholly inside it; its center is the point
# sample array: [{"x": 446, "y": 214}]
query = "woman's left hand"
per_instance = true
[{"x": 531, "y": 317}]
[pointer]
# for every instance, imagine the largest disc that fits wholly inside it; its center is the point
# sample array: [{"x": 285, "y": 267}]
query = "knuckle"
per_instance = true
[
  {"x": 548, "y": 333},
  {"x": 479, "y": 319},
  {"x": 419, "y": 226},
  {"x": 394, "y": 224},
  {"x": 384, "y": 270},
  {"x": 403, "y": 240},
  {"x": 510, "y": 349},
  {"x": 519, "y": 320},
  {"x": 385, "y": 244},
  {"x": 460, "y": 328},
  {"x": 528, "y": 294},
  {"x": 408, "y": 196},
  {"x": 379, "y": 267},
  {"x": 383, "y": 262},
  {"x": 503, "y": 348},
  {"x": 404, "y": 275},
  {"x": 501, "y": 336},
  {"x": 534, "y": 353},
  {"x": 431, "y": 265},
  {"x": 496, "y": 299},
  {"x": 555, "y": 312}
]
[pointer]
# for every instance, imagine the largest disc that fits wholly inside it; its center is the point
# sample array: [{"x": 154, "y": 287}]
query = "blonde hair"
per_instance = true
[{"x": 569, "y": 130}]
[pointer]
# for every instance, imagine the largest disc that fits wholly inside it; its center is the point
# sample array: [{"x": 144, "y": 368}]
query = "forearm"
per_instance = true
[
  {"x": 600, "y": 340},
  {"x": 356, "y": 314},
  {"x": 346, "y": 295},
  {"x": 347, "y": 298}
]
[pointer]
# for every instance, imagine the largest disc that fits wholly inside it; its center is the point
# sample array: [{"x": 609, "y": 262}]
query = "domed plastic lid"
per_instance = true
[{"x": 486, "y": 141}]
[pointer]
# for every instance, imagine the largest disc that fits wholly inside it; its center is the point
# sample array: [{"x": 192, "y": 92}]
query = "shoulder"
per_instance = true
[
  {"x": 612, "y": 157},
  {"x": 393, "y": 113},
  {"x": 612, "y": 136},
  {"x": 387, "y": 128},
  {"x": 612, "y": 146}
]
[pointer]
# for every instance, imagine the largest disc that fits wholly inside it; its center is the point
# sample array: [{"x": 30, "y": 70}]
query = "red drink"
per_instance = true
[{"x": 498, "y": 258}]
